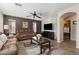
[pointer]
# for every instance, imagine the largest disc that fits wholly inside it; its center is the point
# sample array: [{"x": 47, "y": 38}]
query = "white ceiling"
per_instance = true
[{"x": 45, "y": 9}]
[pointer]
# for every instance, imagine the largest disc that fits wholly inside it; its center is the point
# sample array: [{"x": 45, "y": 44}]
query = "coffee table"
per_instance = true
[{"x": 44, "y": 43}]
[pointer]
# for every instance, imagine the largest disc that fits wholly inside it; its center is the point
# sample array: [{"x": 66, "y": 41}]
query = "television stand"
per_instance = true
[{"x": 48, "y": 34}]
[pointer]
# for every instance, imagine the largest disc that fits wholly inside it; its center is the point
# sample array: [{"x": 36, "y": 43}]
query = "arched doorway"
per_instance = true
[{"x": 67, "y": 26}]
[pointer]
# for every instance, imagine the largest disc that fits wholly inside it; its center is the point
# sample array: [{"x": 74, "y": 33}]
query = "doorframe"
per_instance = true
[{"x": 60, "y": 27}]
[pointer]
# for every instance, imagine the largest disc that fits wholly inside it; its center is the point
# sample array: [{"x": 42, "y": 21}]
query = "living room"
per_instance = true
[{"x": 24, "y": 23}]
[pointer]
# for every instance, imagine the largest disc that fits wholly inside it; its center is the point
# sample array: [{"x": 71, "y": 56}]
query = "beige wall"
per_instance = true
[
  {"x": 73, "y": 28},
  {"x": 1, "y": 22},
  {"x": 50, "y": 20}
]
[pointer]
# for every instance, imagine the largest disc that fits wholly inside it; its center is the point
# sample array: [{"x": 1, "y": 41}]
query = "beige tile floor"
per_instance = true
[{"x": 67, "y": 47}]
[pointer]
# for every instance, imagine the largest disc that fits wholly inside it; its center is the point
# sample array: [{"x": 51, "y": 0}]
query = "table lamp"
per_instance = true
[{"x": 6, "y": 29}]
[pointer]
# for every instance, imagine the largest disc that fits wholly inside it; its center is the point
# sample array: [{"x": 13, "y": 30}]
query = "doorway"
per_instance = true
[{"x": 67, "y": 29}]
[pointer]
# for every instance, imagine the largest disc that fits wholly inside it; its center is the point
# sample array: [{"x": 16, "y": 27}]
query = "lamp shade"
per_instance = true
[{"x": 6, "y": 26}]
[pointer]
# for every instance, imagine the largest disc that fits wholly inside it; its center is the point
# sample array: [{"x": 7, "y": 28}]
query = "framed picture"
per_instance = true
[{"x": 25, "y": 24}]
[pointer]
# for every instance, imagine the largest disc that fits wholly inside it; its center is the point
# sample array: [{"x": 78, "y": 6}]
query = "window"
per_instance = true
[{"x": 35, "y": 27}]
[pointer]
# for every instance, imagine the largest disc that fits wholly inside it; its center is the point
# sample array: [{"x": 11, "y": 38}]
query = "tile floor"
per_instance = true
[{"x": 67, "y": 47}]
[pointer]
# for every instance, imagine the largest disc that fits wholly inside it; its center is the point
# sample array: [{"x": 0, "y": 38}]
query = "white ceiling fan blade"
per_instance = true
[
  {"x": 31, "y": 13},
  {"x": 38, "y": 16},
  {"x": 29, "y": 16}
]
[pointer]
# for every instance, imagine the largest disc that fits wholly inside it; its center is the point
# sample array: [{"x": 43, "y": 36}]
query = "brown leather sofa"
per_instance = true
[{"x": 24, "y": 34}]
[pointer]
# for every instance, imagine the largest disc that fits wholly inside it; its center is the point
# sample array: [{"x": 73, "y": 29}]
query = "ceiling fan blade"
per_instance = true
[
  {"x": 38, "y": 16},
  {"x": 34, "y": 14},
  {"x": 31, "y": 13},
  {"x": 29, "y": 16}
]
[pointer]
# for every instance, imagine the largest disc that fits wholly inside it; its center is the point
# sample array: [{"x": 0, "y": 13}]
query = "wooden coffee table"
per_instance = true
[{"x": 44, "y": 43}]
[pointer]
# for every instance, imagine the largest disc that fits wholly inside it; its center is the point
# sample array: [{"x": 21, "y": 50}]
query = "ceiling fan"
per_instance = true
[{"x": 34, "y": 14}]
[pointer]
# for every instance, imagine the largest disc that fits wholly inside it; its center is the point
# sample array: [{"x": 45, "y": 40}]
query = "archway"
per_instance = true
[{"x": 72, "y": 17}]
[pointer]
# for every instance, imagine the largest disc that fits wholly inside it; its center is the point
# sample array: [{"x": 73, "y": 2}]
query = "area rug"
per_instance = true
[
  {"x": 31, "y": 49},
  {"x": 36, "y": 51}
]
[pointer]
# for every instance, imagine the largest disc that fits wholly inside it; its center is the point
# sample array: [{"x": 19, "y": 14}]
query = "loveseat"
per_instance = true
[
  {"x": 9, "y": 47},
  {"x": 23, "y": 34}
]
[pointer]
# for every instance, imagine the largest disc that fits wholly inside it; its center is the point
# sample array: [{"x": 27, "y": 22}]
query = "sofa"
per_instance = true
[
  {"x": 9, "y": 47},
  {"x": 23, "y": 34}
]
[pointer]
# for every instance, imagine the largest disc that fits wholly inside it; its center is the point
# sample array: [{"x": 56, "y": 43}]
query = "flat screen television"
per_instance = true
[{"x": 48, "y": 26}]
